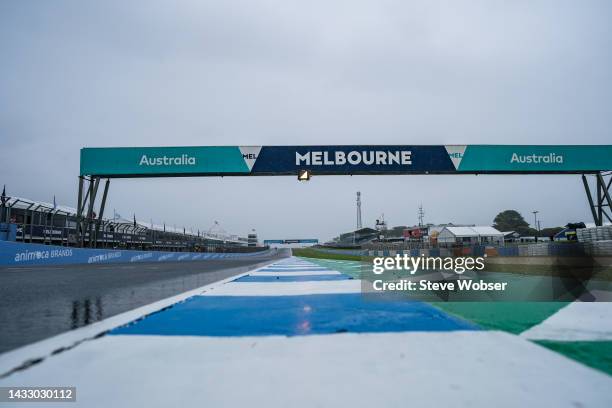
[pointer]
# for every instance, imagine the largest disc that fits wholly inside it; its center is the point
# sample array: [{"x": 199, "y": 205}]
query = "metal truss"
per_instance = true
[
  {"x": 599, "y": 201},
  {"x": 88, "y": 221}
]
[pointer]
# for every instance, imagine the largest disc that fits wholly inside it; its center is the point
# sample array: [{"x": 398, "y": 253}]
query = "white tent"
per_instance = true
[{"x": 471, "y": 235}]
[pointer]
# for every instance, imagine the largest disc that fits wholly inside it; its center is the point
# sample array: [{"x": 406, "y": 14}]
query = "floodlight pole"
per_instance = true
[{"x": 535, "y": 220}]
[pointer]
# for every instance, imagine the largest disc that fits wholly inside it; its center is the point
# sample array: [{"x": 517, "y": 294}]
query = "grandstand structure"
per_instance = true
[
  {"x": 354, "y": 238},
  {"x": 49, "y": 223}
]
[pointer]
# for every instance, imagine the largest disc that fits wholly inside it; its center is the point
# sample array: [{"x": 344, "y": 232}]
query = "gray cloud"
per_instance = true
[{"x": 80, "y": 74}]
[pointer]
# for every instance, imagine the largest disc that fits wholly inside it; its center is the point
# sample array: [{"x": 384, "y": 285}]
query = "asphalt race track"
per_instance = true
[
  {"x": 39, "y": 302},
  {"x": 283, "y": 334}
]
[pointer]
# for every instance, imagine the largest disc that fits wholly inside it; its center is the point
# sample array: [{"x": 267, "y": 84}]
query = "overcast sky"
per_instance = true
[{"x": 131, "y": 73}]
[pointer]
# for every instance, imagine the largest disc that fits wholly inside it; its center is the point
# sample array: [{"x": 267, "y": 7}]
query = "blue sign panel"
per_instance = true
[
  {"x": 368, "y": 159},
  {"x": 291, "y": 241},
  {"x": 16, "y": 254}
]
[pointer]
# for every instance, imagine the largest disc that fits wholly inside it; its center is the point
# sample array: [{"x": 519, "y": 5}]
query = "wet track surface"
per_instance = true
[{"x": 39, "y": 302}]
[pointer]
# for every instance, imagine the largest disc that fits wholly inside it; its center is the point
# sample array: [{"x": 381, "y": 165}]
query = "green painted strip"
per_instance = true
[
  {"x": 595, "y": 354},
  {"x": 313, "y": 253},
  {"x": 350, "y": 268},
  {"x": 512, "y": 317}
]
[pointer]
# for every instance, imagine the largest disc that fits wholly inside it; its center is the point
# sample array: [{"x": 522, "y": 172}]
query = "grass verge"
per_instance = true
[{"x": 313, "y": 253}]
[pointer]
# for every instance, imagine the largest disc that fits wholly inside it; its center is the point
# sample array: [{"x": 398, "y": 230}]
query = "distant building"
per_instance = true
[
  {"x": 511, "y": 236},
  {"x": 252, "y": 239},
  {"x": 417, "y": 233},
  {"x": 291, "y": 243},
  {"x": 357, "y": 237},
  {"x": 434, "y": 230},
  {"x": 471, "y": 235},
  {"x": 566, "y": 234}
]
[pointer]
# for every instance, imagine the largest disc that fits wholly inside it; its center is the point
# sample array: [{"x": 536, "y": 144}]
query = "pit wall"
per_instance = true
[{"x": 19, "y": 254}]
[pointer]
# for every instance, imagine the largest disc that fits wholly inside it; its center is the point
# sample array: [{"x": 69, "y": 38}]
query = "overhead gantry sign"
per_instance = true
[
  {"x": 198, "y": 161},
  {"x": 342, "y": 160}
]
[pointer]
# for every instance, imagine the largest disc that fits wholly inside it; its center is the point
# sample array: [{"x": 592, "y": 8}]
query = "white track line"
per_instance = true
[
  {"x": 286, "y": 288},
  {"x": 458, "y": 369},
  {"x": 313, "y": 273},
  {"x": 578, "y": 321}
]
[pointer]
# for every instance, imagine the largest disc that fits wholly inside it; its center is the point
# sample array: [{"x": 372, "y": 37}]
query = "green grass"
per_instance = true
[
  {"x": 313, "y": 253},
  {"x": 512, "y": 317}
]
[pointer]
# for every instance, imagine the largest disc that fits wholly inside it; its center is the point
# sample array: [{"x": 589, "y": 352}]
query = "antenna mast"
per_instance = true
[
  {"x": 359, "y": 226},
  {"x": 421, "y": 214}
]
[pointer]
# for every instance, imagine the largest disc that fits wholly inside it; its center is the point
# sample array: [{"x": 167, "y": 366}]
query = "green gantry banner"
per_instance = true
[{"x": 343, "y": 159}]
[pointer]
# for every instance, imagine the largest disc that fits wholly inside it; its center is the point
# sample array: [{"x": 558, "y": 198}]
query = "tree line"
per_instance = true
[{"x": 512, "y": 220}]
